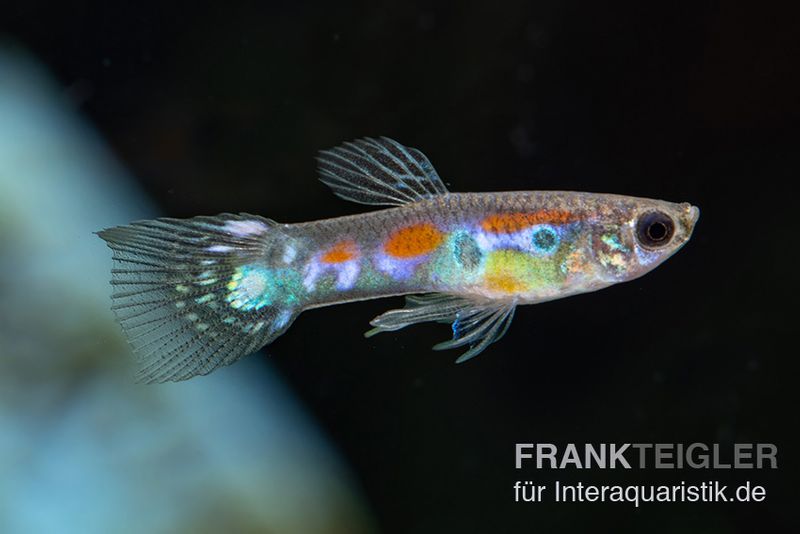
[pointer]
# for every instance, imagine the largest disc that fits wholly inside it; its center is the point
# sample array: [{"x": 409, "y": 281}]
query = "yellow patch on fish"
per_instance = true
[
  {"x": 513, "y": 271},
  {"x": 506, "y": 271}
]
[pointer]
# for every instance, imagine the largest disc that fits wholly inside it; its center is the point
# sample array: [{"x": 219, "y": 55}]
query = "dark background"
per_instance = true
[{"x": 222, "y": 108}]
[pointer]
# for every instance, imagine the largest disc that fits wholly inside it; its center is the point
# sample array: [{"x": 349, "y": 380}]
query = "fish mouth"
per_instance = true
[
  {"x": 694, "y": 214},
  {"x": 689, "y": 218}
]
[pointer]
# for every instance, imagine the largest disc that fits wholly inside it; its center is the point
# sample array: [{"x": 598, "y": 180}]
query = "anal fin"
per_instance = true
[{"x": 475, "y": 323}]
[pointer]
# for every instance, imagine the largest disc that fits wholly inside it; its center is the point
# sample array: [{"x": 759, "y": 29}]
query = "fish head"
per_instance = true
[{"x": 635, "y": 237}]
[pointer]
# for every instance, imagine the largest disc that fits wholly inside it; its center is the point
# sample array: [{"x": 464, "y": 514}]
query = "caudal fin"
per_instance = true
[{"x": 196, "y": 294}]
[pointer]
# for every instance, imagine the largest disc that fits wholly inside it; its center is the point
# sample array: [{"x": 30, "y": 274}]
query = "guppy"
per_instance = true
[{"x": 196, "y": 294}]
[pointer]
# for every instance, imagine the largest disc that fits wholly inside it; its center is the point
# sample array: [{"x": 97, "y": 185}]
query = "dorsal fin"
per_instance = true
[{"x": 379, "y": 172}]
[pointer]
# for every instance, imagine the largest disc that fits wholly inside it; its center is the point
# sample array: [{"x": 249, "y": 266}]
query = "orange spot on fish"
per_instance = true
[
  {"x": 504, "y": 283},
  {"x": 507, "y": 223},
  {"x": 413, "y": 240},
  {"x": 340, "y": 252}
]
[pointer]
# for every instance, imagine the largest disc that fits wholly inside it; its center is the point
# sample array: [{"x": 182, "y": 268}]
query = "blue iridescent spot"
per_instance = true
[
  {"x": 613, "y": 242},
  {"x": 544, "y": 239},
  {"x": 456, "y": 327},
  {"x": 466, "y": 250}
]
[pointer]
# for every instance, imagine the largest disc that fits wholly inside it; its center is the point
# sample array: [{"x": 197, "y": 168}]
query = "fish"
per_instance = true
[{"x": 193, "y": 295}]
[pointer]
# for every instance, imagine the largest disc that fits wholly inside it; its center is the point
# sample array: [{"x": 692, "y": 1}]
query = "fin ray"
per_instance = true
[
  {"x": 477, "y": 324},
  {"x": 169, "y": 283},
  {"x": 354, "y": 184},
  {"x": 379, "y": 172},
  {"x": 484, "y": 333}
]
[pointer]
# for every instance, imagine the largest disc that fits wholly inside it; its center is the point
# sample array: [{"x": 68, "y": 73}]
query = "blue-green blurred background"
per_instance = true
[{"x": 111, "y": 112}]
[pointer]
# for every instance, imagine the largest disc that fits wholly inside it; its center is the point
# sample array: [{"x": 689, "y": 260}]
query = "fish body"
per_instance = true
[{"x": 199, "y": 293}]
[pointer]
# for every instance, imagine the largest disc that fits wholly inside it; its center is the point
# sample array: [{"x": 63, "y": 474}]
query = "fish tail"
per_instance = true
[{"x": 196, "y": 294}]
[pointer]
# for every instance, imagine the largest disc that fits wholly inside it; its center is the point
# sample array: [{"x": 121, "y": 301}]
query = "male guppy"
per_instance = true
[{"x": 195, "y": 294}]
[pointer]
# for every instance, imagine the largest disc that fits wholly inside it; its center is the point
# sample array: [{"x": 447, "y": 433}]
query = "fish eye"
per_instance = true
[
  {"x": 545, "y": 240},
  {"x": 654, "y": 229}
]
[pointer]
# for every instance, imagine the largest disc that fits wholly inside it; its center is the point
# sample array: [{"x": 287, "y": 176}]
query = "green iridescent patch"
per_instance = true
[{"x": 252, "y": 287}]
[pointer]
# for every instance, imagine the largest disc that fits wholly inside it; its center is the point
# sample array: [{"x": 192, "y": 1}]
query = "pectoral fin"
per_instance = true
[{"x": 477, "y": 324}]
